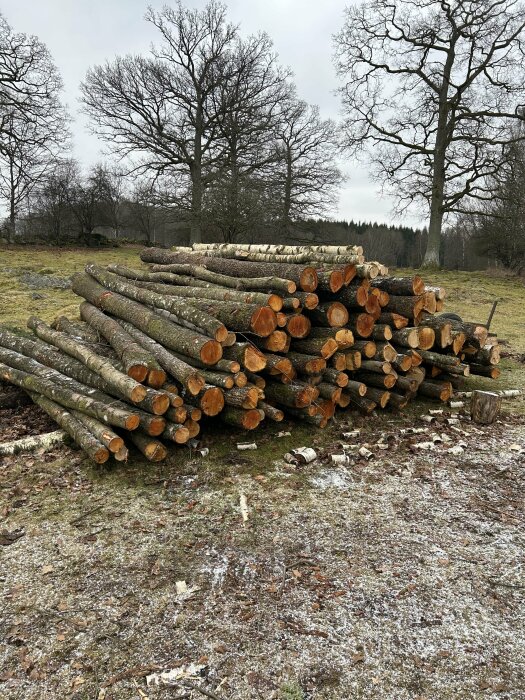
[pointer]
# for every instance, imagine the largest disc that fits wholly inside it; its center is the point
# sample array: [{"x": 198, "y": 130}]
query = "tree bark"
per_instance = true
[
  {"x": 292, "y": 395},
  {"x": 184, "y": 311},
  {"x": 168, "y": 334},
  {"x": 245, "y": 397},
  {"x": 325, "y": 347},
  {"x": 182, "y": 371},
  {"x": 306, "y": 364},
  {"x": 70, "y": 399},
  {"x": 242, "y": 318},
  {"x": 393, "y": 320},
  {"x": 127, "y": 386},
  {"x": 484, "y": 407},
  {"x": 107, "y": 437},
  {"x": 406, "y": 337},
  {"x": 271, "y": 412},
  {"x": 137, "y": 361},
  {"x": 305, "y": 277},
  {"x": 77, "y": 430},
  {"x": 241, "y": 418},
  {"x": 400, "y": 286}
]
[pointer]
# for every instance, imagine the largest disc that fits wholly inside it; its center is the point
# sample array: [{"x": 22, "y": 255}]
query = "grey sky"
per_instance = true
[{"x": 81, "y": 33}]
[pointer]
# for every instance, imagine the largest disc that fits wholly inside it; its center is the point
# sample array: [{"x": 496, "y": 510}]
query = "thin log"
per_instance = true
[
  {"x": 103, "y": 434},
  {"x": 393, "y": 320},
  {"x": 127, "y": 386},
  {"x": 185, "y": 373},
  {"x": 271, "y": 412},
  {"x": 152, "y": 449},
  {"x": 31, "y": 443},
  {"x": 176, "y": 432},
  {"x": 77, "y": 430},
  {"x": 242, "y": 397},
  {"x": 329, "y": 314},
  {"x": 406, "y": 337},
  {"x": 401, "y": 286},
  {"x": 247, "y": 356}
]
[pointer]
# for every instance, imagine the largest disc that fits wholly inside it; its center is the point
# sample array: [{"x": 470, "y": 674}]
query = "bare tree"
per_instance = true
[
  {"x": 306, "y": 176},
  {"x": 52, "y": 200},
  {"x": 160, "y": 108},
  {"x": 430, "y": 87},
  {"x": 32, "y": 121},
  {"x": 86, "y": 201},
  {"x": 147, "y": 214}
]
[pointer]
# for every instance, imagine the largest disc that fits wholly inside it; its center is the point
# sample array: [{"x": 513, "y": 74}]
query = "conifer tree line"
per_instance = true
[{"x": 207, "y": 132}]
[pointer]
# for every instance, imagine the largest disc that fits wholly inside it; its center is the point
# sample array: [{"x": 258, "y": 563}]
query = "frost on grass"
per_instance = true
[{"x": 399, "y": 577}]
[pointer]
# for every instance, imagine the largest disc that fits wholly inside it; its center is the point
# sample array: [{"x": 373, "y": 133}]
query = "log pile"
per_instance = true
[{"x": 241, "y": 333}]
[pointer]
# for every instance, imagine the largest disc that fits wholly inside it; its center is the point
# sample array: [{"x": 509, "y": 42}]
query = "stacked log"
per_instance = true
[{"x": 240, "y": 334}]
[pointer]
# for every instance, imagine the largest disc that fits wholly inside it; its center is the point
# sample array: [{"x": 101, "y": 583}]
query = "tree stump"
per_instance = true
[{"x": 485, "y": 406}]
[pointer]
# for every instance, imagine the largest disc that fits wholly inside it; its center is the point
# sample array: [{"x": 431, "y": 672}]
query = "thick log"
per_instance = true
[
  {"x": 61, "y": 394},
  {"x": 333, "y": 376},
  {"x": 439, "y": 360},
  {"x": 280, "y": 249},
  {"x": 304, "y": 277},
  {"x": 426, "y": 337},
  {"x": 385, "y": 351},
  {"x": 384, "y": 381},
  {"x": 241, "y": 418},
  {"x": 329, "y": 314},
  {"x": 244, "y": 318},
  {"x": 176, "y": 432},
  {"x": 363, "y": 404},
  {"x": 222, "y": 379},
  {"x": 330, "y": 280},
  {"x": 361, "y": 324},
  {"x": 185, "y": 373},
  {"x": 395, "y": 321},
  {"x": 306, "y": 364},
  {"x": 247, "y": 356},
  {"x": 295, "y": 395},
  {"x": 429, "y": 302},
  {"x": 210, "y": 400},
  {"x": 137, "y": 361},
  {"x": 488, "y": 355},
  {"x": 298, "y": 326},
  {"x": 406, "y": 337},
  {"x": 338, "y": 361},
  {"x": 178, "y": 414},
  {"x": 271, "y": 412},
  {"x": 377, "y": 366},
  {"x": 353, "y": 360},
  {"x": 168, "y": 334},
  {"x": 366, "y": 347},
  {"x": 441, "y": 327},
  {"x": 485, "y": 407},
  {"x": 380, "y": 397},
  {"x": 353, "y": 297},
  {"x": 277, "y": 364},
  {"x": 408, "y": 306},
  {"x": 127, "y": 386},
  {"x": 402, "y": 363},
  {"x": 372, "y": 306},
  {"x": 81, "y": 434},
  {"x": 330, "y": 392},
  {"x": 276, "y": 284},
  {"x": 382, "y": 296},
  {"x": 242, "y": 397},
  {"x": 324, "y": 347},
  {"x": 398, "y": 401},
  {"x": 307, "y": 299},
  {"x": 435, "y": 389},
  {"x": 381, "y": 331},
  {"x": 193, "y": 314},
  {"x": 153, "y": 450},
  {"x": 401, "y": 286},
  {"x": 439, "y": 292},
  {"x": 355, "y": 388},
  {"x": 485, "y": 370}
]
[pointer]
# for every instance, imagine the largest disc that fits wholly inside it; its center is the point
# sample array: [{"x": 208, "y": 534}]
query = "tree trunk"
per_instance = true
[
  {"x": 137, "y": 361},
  {"x": 182, "y": 309},
  {"x": 68, "y": 398},
  {"x": 484, "y": 407},
  {"x": 126, "y": 386},
  {"x": 172, "y": 336},
  {"x": 185, "y": 373},
  {"x": 77, "y": 430}
]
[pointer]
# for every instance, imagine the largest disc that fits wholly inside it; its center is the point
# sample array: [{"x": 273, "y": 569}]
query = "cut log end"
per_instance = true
[
  {"x": 156, "y": 378},
  {"x": 138, "y": 372},
  {"x": 132, "y": 422},
  {"x": 275, "y": 302},
  {"x": 101, "y": 455},
  {"x": 212, "y": 401},
  {"x": 254, "y": 360},
  {"x": 308, "y": 279},
  {"x": 337, "y": 315},
  {"x": 211, "y": 352},
  {"x": 195, "y": 384},
  {"x": 138, "y": 394},
  {"x": 115, "y": 445},
  {"x": 263, "y": 321},
  {"x": 160, "y": 404},
  {"x": 156, "y": 426},
  {"x": 221, "y": 334}
]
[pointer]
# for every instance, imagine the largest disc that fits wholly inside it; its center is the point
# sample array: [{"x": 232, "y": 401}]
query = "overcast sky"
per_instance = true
[{"x": 82, "y": 33}]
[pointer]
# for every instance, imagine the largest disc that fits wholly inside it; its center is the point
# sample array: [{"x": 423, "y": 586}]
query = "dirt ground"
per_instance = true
[{"x": 398, "y": 578}]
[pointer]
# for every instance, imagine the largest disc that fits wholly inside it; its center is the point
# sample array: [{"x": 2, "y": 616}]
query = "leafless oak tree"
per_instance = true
[
  {"x": 160, "y": 108},
  {"x": 432, "y": 88}
]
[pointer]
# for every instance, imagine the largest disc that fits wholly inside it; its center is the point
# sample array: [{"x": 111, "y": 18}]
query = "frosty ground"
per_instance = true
[{"x": 399, "y": 577}]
